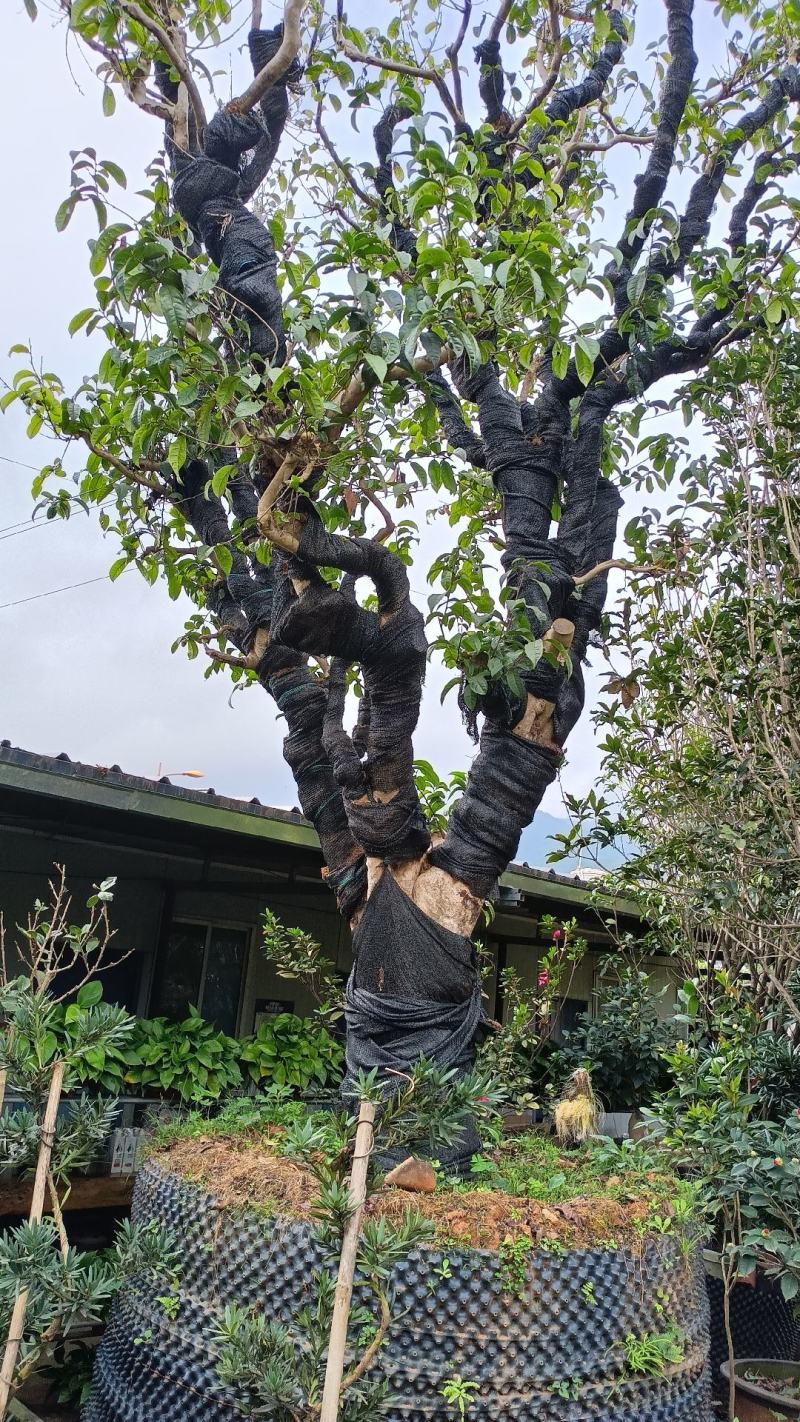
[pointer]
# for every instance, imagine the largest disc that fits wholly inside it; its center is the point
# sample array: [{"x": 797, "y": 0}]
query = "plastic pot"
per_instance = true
[
  {"x": 564, "y": 1323},
  {"x": 760, "y": 1404},
  {"x": 762, "y": 1321}
]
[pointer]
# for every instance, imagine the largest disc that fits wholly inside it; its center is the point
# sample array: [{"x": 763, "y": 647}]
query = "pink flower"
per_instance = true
[
  {"x": 544, "y": 979},
  {"x": 556, "y": 934}
]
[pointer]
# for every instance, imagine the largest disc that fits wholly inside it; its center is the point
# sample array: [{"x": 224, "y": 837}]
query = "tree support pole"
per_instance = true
[
  {"x": 17, "y": 1323},
  {"x": 365, "y": 1140}
]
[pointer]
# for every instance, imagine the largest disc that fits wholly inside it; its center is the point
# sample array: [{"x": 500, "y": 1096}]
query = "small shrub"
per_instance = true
[
  {"x": 292, "y": 1051},
  {"x": 190, "y": 1059}
]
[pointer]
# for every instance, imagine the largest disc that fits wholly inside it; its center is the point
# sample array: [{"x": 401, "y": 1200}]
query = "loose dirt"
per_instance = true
[{"x": 243, "y": 1173}]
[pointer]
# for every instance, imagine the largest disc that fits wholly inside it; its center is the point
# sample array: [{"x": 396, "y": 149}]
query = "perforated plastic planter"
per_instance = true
[{"x": 561, "y": 1335}]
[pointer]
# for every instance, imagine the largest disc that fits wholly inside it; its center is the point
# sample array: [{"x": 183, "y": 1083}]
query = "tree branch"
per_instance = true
[
  {"x": 651, "y": 184},
  {"x": 398, "y": 66},
  {"x": 176, "y": 53},
  {"x": 453, "y": 51},
  {"x": 626, "y": 567},
  {"x": 496, "y": 27},
  {"x": 277, "y": 66}
]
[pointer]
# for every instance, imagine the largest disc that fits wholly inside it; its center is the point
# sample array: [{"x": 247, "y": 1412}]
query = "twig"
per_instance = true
[
  {"x": 255, "y": 19},
  {"x": 351, "y": 397},
  {"x": 608, "y": 563},
  {"x": 551, "y": 76},
  {"x": 452, "y": 53},
  {"x": 388, "y": 522},
  {"x": 343, "y": 168},
  {"x": 637, "y": 139},
  {"x": 276, "y": 67},
  {"x": 784, "y": 992},
  {"x": 399, "y": 66},
  {"x": 177, "y": 59},
  {"x": 368, "y": 1356},
  {"x": 57, "y": 1213},
  {"x": 154, "y": 484}
]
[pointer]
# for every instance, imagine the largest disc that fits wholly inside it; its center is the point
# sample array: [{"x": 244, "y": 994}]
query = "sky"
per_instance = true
[{"x": 89, "y": 671}]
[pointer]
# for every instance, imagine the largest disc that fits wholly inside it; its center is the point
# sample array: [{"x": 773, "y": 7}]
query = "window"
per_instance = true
[
  {"x": 572, "y": 1008},
  {"x": 200, "y": 965}
]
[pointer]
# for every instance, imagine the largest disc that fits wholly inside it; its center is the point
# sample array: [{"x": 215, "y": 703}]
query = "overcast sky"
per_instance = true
[{"x": 89, "y": 671}]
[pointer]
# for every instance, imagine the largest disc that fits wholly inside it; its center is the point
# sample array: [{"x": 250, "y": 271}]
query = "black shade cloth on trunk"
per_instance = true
[{"x": 414, "y": 990}]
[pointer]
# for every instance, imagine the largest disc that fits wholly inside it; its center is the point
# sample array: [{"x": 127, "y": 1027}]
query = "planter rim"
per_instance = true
[{"x": 771, "y": 1367}]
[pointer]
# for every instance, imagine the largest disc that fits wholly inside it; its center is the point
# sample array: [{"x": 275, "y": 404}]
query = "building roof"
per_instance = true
[{"x": 110, "y": 787}]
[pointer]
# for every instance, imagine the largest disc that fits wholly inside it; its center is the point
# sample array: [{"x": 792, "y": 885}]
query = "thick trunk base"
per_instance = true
[{"x": 414, "y": 992}]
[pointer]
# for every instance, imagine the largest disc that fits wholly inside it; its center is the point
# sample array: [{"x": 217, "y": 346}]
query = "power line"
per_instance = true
[
  {"x": 37, "y": 468},
  {"x": 26, "y": 525},
  {"x": 52, "y": 592},
  {"x": 13, "y": 530}
]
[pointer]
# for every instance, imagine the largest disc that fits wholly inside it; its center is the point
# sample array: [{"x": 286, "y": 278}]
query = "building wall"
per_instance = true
[
  {"x": 170, "y": 882},
  {"x": 28, "y": 861}
]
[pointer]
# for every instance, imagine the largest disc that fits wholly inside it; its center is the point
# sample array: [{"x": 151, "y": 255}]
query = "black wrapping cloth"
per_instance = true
[{"x": 414, "y": 990}]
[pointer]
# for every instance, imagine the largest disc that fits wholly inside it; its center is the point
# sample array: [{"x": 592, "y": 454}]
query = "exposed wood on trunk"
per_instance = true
[{"x": 444, "y": 899}]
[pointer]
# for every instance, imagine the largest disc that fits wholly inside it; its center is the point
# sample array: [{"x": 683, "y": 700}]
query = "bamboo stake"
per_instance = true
[
  {"x": 34, "y": 1216},
  {"x": 3, "y": 1079},
  {"x": 365, "y": 1140}
]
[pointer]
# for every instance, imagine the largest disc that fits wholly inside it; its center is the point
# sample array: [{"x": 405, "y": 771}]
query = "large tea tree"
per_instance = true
[{"x": 429, "y": 255}]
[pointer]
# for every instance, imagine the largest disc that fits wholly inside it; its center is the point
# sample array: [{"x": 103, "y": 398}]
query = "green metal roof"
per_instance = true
[{"x": 110, "y": 788}]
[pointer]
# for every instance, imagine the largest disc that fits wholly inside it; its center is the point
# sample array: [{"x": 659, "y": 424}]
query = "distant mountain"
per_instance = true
[{"x": 536, "y": 844}]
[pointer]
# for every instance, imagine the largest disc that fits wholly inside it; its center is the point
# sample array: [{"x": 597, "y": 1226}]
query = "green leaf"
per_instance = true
[
  {"x": 378, "y": 364},
  {"x": 176, "y": 454},
  {"x": 560, "y": 359},
  {"x": 584, "y": 363},
  {"x": 90, "y": 994},
  {"x": 774, "y": 312},
  {"x": 220, "y": 477},
  {"x": 358, "y": 282},
  {"x": 114, "y": 171},
  {"x": 64, "y": 213},
  {"x": 80, "y": 320},
  {"x": 117, "y": 568},
  {"x": 109, "y": 104},
  {"x": 224, "y": 558},
  {"x": 30, "y": 6},
  {"x": 174, "y": 309}
]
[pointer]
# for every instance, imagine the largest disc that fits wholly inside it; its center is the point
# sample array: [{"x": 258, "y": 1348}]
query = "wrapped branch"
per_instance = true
[{"x": 389, "y": 645}]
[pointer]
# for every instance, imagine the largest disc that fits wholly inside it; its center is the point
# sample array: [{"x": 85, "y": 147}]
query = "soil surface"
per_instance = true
[{"x": 243, "y": 1173}]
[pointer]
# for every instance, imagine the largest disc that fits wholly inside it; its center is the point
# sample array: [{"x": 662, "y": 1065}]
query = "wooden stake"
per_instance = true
[
  {"x": 365, "y": 1140},
  {"x": 3, "y": 1079},
  {"x": 17, "y": 1323}
]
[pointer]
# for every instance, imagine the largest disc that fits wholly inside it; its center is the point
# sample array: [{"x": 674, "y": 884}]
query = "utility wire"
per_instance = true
[
  {"x": 37, "y": 468},
  {"x": 52, "y": 592}
]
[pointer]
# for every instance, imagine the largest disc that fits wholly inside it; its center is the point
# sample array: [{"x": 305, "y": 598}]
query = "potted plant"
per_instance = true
[
  {"x": 764, "y": 1389},
  {"x": 543, "y": 1285},
  {"x": 746, "y": 1172},
  {"x": 292, "y": 1051},
  {"x": 48, "y": 1290},
  {"x": 623, "y": 1047},
  {"x": 188, "y": 1061}
]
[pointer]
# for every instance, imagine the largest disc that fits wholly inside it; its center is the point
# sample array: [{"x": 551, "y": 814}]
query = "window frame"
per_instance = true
[{"x": 247, "y": 929}]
